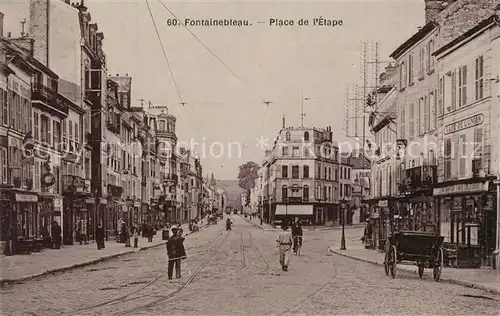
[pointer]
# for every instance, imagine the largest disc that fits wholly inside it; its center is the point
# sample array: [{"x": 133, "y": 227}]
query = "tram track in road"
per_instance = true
[
  {"x": 308, "y": 296},
  {"x": 164, "y": 298},
  {"x": 127, "y": 297}
]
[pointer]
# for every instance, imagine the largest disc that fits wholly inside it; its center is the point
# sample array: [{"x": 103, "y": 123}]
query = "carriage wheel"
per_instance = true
[
  {"x": 386, "y": 263},
  {"x": 393, "y": 261},
  {"x": 438, "y": 265},
  {"x": 420, "y": 270}
]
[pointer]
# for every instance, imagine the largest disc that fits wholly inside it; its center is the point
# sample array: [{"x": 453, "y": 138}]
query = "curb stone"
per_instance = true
[
  {"x": 80, "y": 264},
  {"x": 448, "y": 280}
]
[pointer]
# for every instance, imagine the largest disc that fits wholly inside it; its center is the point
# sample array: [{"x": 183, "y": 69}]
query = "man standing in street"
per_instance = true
[
  {"x": 175, "y": 252},
  {"x": 100, "y": 235},
  {"x": 56, "y": 235}
]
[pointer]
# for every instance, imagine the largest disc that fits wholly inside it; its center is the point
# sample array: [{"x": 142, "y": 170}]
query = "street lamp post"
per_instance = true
[{"x": 342, "y": 241}]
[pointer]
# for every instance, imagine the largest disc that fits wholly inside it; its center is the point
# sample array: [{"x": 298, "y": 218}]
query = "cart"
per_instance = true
[{"x": 420, "y": 248}]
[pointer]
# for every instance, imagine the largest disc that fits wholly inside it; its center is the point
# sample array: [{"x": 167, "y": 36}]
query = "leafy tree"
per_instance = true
[{"x": 249, "y": 172}]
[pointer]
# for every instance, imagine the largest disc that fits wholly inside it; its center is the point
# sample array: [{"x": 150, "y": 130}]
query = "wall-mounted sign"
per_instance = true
[
  {"x": 460, "y": 189},
  {"x": 26, "y": 198},
  {"x": 48, "y": 179},
  {"x": 464, "y": 124}
]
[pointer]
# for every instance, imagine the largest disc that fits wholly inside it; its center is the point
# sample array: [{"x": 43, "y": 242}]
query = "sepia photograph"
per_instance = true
[{"x": 173, "y": 157}]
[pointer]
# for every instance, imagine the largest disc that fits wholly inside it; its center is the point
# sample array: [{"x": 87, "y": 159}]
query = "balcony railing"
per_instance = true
[
  {"x": 50, "y": 98},
  {"x": 418, "y": 178},
  {"x": 114, "y": 127}
]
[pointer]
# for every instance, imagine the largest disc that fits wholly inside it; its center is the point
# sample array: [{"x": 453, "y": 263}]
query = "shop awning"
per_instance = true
[{"x": 303, "y": 209}]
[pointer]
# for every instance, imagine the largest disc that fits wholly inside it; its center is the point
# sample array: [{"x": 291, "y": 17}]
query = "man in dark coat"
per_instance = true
[
  {"x": 100, "y": 235},
  {"x": 56, "y": 235},
  {"x": 175, "y": 252},
  {"x": 297, "y": 232}
]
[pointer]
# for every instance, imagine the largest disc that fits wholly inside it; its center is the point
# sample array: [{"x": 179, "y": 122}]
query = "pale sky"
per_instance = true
[{"x": 274, "y": 63}]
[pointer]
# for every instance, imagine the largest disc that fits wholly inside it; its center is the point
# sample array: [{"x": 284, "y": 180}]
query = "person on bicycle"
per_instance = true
[{"x": 297, "y": 236}]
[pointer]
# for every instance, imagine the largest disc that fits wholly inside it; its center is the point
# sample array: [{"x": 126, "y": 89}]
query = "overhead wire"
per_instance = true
[
  {"x": 206, "y": 47},
  {"x": 183, "y": 104},
  {"x": 164, "y": 53},
  {"x": 216, "y": 57}
]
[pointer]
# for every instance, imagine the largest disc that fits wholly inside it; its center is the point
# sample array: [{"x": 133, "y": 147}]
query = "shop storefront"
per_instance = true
[
  {"x": 468, "y": 221},
  {"x": 76, "y": 216},
  {"x": 49, "y": 207}
]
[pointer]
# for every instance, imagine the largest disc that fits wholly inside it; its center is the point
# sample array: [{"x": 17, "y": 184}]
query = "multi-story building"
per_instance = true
[
  {"x": 468, "y": 114},
  {"x": 16, "y": 182},
  {"x": 382, "y": 123},
  {"x": 360, "y": 182},
  {"x": 167, "y": 154},
  {"x": 417, "y": 99},
  {"x": 76, "y": 56},
  {"x": 301, "y": 176}
]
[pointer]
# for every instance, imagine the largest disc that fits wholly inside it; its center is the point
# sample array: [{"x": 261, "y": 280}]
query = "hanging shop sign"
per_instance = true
[
  {"x": 464, "y": 124},
  {"x": 48, "y": 179},
  {"x": 460, "y": 189},
  {"x": 383, "y": 203}
]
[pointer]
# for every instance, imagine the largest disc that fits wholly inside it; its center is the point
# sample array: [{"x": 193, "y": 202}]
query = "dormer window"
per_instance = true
[
  {"x": 288, "y": 136},
  {"x": 306, "y": 136}
]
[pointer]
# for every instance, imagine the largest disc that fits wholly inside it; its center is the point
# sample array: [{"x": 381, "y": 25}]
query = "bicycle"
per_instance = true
[{"x": 297, "y": 244}]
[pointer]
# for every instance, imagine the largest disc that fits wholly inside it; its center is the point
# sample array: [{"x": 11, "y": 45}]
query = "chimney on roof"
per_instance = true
[
  {"x": 434, "y": 7},
  {"x": 283, "y": 121}
]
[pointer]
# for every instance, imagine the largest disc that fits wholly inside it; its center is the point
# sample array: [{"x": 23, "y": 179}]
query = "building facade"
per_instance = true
[
  {"x": 301, "y": 177},
  {"x": 468, "y": 117}
]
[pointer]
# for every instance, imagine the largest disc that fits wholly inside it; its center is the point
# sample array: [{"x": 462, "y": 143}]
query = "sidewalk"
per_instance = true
[
  {"x": 484, "y": 278},
  {"x": 256, "y": 222},
  {"x": 18, "y": 268}
]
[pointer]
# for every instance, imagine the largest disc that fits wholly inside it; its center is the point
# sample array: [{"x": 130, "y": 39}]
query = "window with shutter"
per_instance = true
[
  {"x": 441, "y": 96},
  {"x": 36, "y": 135},
  {"x": 462, "y": 86},
  {"x": 410, "y": 69},
  {"x": 284, "y": 171},
  {"x": 447, "y": 159},
  {"x": 462, "y": 144},
  {"x": 3, "y": 166},
  {"x": 478, "y": 150},
  {"x": 479, "y": 88},
  {"x": 412, "y": 120}
]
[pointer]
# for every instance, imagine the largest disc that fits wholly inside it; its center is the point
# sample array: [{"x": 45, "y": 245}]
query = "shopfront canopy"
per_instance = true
[{"x": 294, "y": 210}]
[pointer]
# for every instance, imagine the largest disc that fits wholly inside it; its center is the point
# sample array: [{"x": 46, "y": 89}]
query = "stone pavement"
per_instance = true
[
  {"x": 20, "y": 268},
  {"x": 484, "y": 278},
  {"x": 256, "y": 222}
]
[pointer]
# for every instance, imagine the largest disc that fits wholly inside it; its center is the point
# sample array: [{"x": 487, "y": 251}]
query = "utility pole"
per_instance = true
[{"x": 302, "y": 114}]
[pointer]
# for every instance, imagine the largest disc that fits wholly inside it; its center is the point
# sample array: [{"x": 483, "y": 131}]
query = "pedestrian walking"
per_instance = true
[
  {"x": 136, "y": 238},
  {"x": 56, "y": 235},
  {"x": 176, "y": 253},
  {"x": 285, "y": 242},
  {"x": 150, "y": 233},
  {"x": 179, "y": 228},
  {"x": 297, "y": 234},
  {"x": 100, "y": 235}
]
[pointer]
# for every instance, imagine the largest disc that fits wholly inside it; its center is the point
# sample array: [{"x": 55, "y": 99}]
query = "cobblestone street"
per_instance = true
[{"x": 242, "y": 277}]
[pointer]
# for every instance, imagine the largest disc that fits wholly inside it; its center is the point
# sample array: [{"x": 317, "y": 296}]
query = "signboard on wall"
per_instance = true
[
  {"x": 464, "y": 124},
  {"x": 460, "y": 189}
]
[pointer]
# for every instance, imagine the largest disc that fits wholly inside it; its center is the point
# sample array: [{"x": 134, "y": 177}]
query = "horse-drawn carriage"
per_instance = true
[{"x": 421, "y": 248}]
